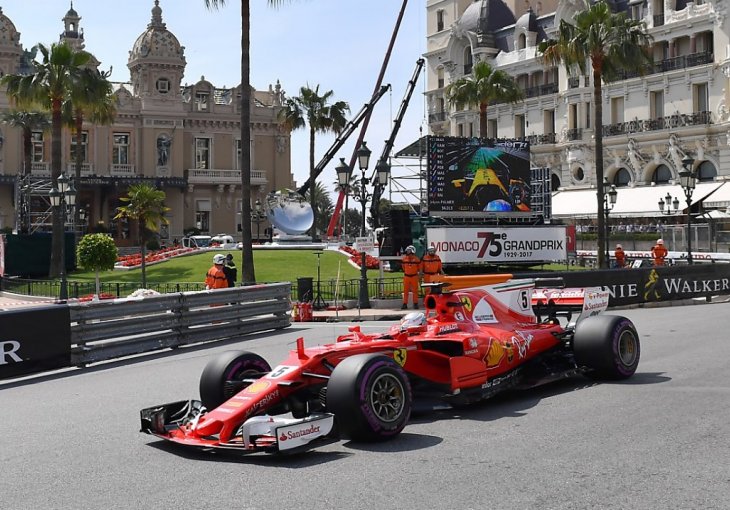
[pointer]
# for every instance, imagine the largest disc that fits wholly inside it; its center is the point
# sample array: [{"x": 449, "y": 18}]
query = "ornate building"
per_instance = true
[
  {"x": 678, "y": 107},
  {"x": 185, "y": 139}
]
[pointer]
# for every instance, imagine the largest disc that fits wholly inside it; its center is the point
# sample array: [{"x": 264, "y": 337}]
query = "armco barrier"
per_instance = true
[{"x": 104, "y": 330}]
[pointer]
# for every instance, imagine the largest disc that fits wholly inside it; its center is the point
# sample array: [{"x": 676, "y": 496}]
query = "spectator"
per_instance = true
[
  {"x": 431, "y": 266},
  {"x": 215, "y": 278},
  {"x": 620, "y": 256},
  {"x": 411, "y": 266},
  {"x": 659, "y": 252},
  {"x": 229, "y": 268}
]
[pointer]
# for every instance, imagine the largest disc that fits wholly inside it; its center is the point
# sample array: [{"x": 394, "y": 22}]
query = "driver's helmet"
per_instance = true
[
  {"x": 412, "y": 320},
  {"x": 411, "y": 249}
]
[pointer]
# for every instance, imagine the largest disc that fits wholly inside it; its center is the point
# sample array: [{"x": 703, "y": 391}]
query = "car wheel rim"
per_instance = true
[
  {"x": 386, "y": 397},
  {"x": 627, "y": 349}
]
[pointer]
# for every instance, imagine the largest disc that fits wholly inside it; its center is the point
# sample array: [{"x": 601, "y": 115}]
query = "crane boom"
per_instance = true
[
  {"x": 343, "y": 136},
  {"x": 377, "y": 186}
]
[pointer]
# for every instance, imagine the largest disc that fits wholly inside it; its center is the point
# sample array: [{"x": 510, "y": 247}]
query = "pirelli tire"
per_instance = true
[
  {"x": 370, "y": 396},
  {"x": 223, "y": 376},
  {"x": 608, "y": 345}
]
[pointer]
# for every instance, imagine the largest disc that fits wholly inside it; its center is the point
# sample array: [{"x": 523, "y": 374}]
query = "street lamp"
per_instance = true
[
  {"x": 668, "y": 205},
  {"x": 62, "y": 196},
  {"x": 258, "y": 218},
  {"x": 609, "y": 200},
  {"x": 688, "y": 179},
  {"x": 344, "y": 173}
]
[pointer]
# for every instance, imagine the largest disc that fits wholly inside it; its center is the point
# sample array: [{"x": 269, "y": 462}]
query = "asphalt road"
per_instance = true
[{"x": 658, "y": 441}]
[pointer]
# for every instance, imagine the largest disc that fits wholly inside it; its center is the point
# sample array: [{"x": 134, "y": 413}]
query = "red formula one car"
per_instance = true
[{"x": 478, "y": 336}]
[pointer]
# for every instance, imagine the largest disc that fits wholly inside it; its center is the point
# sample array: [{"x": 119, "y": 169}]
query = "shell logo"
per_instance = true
[{"x": 258, "y": 387}]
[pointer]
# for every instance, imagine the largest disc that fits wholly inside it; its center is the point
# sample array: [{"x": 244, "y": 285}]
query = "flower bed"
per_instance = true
[
  {"x": 356, "y": 257},
  {"x": 152, "y": 256},
  {"x": 90, "y": 297}
]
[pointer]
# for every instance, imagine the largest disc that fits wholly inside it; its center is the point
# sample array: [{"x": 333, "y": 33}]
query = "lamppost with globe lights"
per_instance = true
[
  {"x": 344, "y": 173},
  {"x": 688, "y": 179},
  {"x": 61, "y": 196},
  {"x": 609, "y": 200},
  {"x": 668, "y": 205},
  {"x": 258, "y": 217}
]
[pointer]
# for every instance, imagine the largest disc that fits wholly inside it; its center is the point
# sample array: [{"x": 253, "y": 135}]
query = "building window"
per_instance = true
[
  {"x": 202, "y": 215},
  {"x": 162, "y": 85},
  {"x": 572, "y": 116},
  {"x": 120, "y": 151},
  {"x": 554, "y": 182},
  {"x": 468, "y": 60},
  {"x": 548, "y": 122},
  {"x": 700, "y": 97},
  {"x": 84, "y": 140},
  {"x": 37, "y": 146},
  {"x": 588, "y": 115},
  {"x": 492, "y": 128},
  {"x": 471, "y": 130},
  {"x": 440, "y": 77},
  {"x": 617, "y": 110},
  {"x": 460, "y": 130},
  {"x": 521, "y": 42},
  {"x": 661, "y": 175},
  {"x": 201, "y": 101},
  {"x": 656, "y": 104},
  {"x": 237, "y": 163},
  {"x": 706, "y": 171},
  {"x": 202, "y": 153},
  {"x": 439, "y": 20},
  {"x": 622, "y": 177},
  {"x": 519, "y": 126}
]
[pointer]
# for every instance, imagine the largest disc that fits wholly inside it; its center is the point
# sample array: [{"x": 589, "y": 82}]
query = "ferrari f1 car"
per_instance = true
[{"x": 477, "y": 337}]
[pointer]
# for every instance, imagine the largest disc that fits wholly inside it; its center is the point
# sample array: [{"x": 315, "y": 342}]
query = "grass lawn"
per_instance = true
[{"x": 270, "y": 266}]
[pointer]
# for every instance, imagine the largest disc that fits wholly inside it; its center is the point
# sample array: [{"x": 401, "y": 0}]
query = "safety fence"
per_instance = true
[{"x": 77, "y": 334}]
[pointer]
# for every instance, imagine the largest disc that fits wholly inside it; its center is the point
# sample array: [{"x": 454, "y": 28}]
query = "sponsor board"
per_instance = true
[
  {"x": 458, "y": 245},
  {"x": 299, "y": 434}
]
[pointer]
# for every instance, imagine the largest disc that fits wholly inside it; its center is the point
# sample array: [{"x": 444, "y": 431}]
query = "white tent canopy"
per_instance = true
[{"x": 637, "y": 201}]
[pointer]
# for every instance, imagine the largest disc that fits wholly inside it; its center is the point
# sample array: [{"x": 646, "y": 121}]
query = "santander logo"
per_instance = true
[{"x": 293, "y": 434}]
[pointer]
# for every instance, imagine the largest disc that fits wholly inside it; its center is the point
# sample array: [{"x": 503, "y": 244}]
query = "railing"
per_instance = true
[
  {"x": 541, "y": 90},
  {"x": 86, "y": 169},
  {"x": 658, "y": 20},
  {"x": 668, "y": 122},
  {"x": 437, "y": 117},
  {"x": 213, "y": 176},
  {"x": 671, "y": 64},
  {"x": 122, "y": 170},
  {"x": 40, "y": 169},
  {"x": 346, "y": 290},
  {"x": 575, "y": 134},
  {"x": 573, "y": 82},
  {"x": 541, "y": 139}
]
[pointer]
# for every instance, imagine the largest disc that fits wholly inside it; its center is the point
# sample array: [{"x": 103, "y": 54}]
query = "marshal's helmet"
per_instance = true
[
  {"x": 219, "y": 258},
  {"x": 660, "y": 241},
  {"x": 431, "y": 249},
  {"x": 411, "y": 249}
]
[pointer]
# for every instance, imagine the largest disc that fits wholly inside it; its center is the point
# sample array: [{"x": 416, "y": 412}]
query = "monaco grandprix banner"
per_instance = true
[
  {"x": 34, "y": 339},
  {"x": 491, "y": 245}
]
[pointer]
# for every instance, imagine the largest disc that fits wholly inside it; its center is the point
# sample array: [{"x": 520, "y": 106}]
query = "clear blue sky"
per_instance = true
[{"x": 337, "y": 44}]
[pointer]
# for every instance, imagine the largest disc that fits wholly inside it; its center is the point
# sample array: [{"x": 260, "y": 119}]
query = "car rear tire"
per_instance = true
[
  {"x": 607, "y": 344},
  {"x": 370, "y": 396},
  {"x": 223, "y": 375}
]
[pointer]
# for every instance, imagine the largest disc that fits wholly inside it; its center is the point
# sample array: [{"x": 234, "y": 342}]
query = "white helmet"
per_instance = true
[
  {"x": 618, "y": 246},
  {"x": 432, "y": 249},
  {"x": 411, "y": 249},
  {"x": 219, "y": 258},
  {"x": 660, "y": 241}
]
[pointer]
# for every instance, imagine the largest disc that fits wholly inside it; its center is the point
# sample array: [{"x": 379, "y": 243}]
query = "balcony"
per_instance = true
[
  {"x": 541, "y": 139},
  {"x": 574, "y": 134},
  {"x": 40, "y": 169},
  {"x": 541, "y": 90},
  {"x": 119, "y": 170},
  {"x": 669, "y": 122},
  {"x": 437, "y": 117},
  {"x": 573, "y": 82},
  {"x": 86, "y": 169},
  {"x": 213, "y": 176},
  {"x": 672, "y": 64},
  {"x": 658, "y": 20}
]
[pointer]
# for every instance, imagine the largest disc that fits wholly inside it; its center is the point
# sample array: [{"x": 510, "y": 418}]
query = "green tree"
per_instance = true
[
  {"x": 322, "y": 116},
  {"x": 612, "y": 44},
  {"x": 92, "y": 99},
  {"x": 96, "y": 252},
  {"x": 27, "y": 121},
  {"x": 47, "y": 87},
  {"x": 323, "y": 206},
  {"x": 146, "y": 205},
  {"x": 484, "y": 85},
  {"x": 248, "y": 274}
]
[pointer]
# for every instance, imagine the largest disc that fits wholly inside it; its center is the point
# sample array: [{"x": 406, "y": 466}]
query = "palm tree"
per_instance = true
[
  {"x": 484, "y": 85},
  {"x": 248, "y": 275},
  {"x": 323, "y": 206},
  {"x": 27, "y": 121},
  {"x": 146, "y": 205},
  {"x": 49, "y": 85},
  {"x": 309, "y": 108},
  {"x": 92, "y": 99},
  {"x": 613, "y": 44}
]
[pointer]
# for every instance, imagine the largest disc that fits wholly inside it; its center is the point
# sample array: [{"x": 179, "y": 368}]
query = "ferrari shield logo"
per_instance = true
[
  {"x": 466, "y": 301},
  {"x": 399, "y": 356}
]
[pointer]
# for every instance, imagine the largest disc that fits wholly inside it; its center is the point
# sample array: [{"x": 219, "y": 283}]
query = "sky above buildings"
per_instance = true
[{"x": 337, "y": 44}]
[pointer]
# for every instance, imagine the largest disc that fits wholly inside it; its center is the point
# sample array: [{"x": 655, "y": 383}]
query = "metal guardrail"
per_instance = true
[{"x": 104, "y": 330}]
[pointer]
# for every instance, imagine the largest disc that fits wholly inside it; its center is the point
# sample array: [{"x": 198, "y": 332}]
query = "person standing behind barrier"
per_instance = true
[
  {"x": 620, "y": 256},
  {"x": 411, "y": 266},
  {"x": 431, "y": 266},
  {"x": 659, "y": 252},
  {"x": 229, "y": 268},
  {"x": 215, "y": 278}
]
